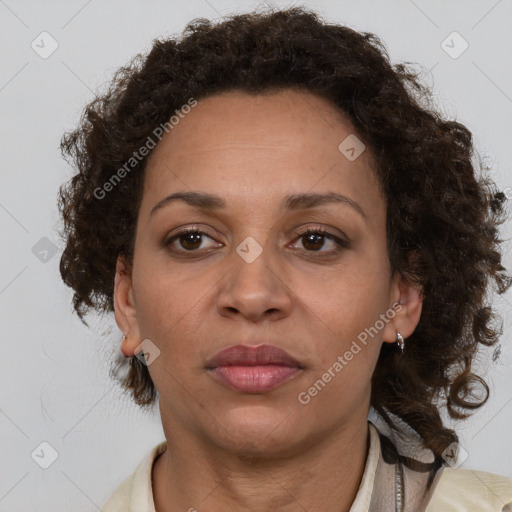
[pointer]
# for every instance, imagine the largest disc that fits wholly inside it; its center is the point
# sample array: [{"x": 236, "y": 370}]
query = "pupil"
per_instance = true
[
  {"x": 191, "y": 236},
  {"x": 316, "y": 239}
]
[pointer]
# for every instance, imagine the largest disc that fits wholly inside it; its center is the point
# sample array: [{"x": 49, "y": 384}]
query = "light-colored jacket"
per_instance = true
[{"x": 465, "y": 490}]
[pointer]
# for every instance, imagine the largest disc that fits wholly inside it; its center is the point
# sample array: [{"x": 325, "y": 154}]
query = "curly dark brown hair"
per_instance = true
[{"x": 441, "y": 207}]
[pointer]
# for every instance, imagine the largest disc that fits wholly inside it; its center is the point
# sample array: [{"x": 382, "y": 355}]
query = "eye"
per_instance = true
[
  {"x": 189, "y": 239},
  {"x": 314, "y": 239}
]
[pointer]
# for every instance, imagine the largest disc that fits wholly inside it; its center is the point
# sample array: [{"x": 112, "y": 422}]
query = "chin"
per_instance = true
[{"x": 259, "y": 431}]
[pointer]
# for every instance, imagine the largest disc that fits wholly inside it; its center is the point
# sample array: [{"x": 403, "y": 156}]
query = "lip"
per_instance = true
[
  {"x": 253, "y": 369},
  {"x": 249, "y": 355}
]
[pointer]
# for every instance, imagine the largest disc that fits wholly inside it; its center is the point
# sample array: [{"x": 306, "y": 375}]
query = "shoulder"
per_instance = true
[
  {"x": 135, "y": 493},
  {"x": 120, "y": 498},
  {"x": 467, "y": 490}
]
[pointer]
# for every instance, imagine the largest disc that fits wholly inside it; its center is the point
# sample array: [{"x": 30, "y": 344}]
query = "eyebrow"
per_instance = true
[{"x": 206, "y": 201}]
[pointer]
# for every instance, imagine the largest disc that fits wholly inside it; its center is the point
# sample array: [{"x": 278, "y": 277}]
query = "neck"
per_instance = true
[{"x": 321, "y": 476}]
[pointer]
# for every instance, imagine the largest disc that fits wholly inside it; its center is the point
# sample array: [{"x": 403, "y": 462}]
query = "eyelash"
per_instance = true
[{"x": 343, "y": 244}]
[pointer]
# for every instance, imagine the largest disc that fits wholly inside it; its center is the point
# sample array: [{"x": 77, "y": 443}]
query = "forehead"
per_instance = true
[{"x": 265, "y": 146}]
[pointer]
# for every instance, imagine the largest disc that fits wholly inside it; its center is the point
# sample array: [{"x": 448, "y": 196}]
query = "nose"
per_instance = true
[{"x": 255, "y": 290}]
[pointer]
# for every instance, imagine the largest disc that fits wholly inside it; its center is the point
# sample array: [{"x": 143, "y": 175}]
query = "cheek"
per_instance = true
[
  {"x": 347, "y": 315},
  {"x": 161, "y": 300},
  {"x": 347, "y": 298},
  {"x": 173, "y": 311}
]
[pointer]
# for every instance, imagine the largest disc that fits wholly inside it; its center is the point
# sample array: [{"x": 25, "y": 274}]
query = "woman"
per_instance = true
[{"x": 297, "y": 250}]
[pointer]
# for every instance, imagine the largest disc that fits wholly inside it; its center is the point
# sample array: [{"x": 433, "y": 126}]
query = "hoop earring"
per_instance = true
[{"x": 400, "y": 341}]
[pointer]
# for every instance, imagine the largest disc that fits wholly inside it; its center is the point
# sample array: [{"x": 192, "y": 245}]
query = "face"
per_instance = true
[{"x": 252, "y": 274}]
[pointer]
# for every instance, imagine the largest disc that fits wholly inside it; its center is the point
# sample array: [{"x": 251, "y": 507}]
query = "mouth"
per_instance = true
[{"x": 249, "y": 369}]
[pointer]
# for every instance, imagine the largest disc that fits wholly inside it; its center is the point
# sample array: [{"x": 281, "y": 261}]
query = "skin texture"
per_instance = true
[{"x": 238, "y": 451}]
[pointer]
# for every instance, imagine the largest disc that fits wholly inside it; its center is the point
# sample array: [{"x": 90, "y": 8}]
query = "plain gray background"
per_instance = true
[{"x": 54, "y": 378}]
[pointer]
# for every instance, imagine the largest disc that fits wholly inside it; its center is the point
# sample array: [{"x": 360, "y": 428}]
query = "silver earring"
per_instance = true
[{"x": 400, "y": 342}]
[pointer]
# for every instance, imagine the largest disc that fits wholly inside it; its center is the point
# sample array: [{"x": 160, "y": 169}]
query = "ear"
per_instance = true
[
  {"x": 124, "y": 307},
  {"x": 409, "y": 299}
]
